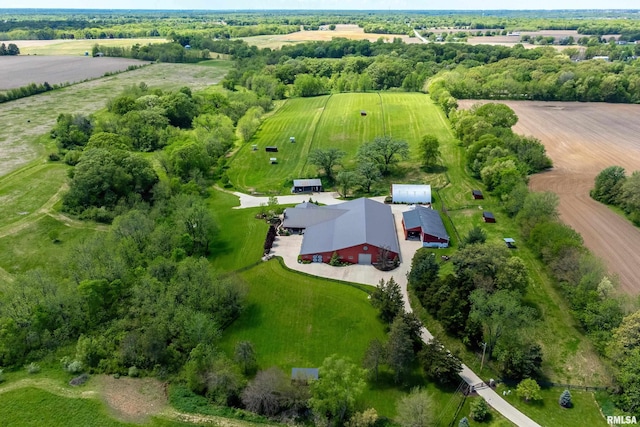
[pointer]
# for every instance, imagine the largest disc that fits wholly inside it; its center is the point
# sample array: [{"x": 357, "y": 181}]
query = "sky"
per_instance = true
[{"x": 324, "y": 4}]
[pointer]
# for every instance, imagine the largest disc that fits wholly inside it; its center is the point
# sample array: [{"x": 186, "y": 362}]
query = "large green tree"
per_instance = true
[
  {"x": 430, "y": 151},
  {"x": 334, "y": 394},
  {"x": 104, "y": 177},
  {"x": 499, "y": 313},
  {"x": 326, "y": 159},
  {"x": 384, "y": 151},
  {"x": 608, "y": 185}
]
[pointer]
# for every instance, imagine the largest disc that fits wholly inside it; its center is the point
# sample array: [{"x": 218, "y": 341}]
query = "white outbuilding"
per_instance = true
[{"x": 411, "y": 193}]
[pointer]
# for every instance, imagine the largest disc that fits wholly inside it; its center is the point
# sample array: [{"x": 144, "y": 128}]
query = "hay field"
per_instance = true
[
  {"x": 324, "y": 122},
  {"x": 76, "y": 47},
  {"x": 582, "y": 139},
  {"x": 18, "y": 71},
  {"x": 24, "y": 120},
  {"x": 349, "y": 31}
]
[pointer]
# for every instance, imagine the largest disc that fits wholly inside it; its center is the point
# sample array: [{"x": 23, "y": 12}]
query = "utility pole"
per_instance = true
[{"x": 484, "y": 349}]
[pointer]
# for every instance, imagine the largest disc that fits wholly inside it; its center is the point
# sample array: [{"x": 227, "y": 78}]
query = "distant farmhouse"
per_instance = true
[
  {"x": 425, "y": 224},
  {"x": 412, "y": 194},
  {"x": 359, "y": 231}
]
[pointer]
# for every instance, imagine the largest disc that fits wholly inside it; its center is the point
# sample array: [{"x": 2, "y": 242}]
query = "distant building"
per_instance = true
[
  {"x": 477, "y": 194},
  {"x": 412, "y": 194},
  {"x": 488, "y": 217},
  {"x": 306, "y": 186}
]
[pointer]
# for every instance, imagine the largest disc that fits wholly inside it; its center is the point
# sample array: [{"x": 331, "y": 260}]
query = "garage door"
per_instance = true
[{"x": 364, "y": 258}]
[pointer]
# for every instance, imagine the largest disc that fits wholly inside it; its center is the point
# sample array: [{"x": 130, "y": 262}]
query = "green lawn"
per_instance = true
[
  {"x": 240, "y": 237},
  {"x": 251, "y": 170},
  {"x": 34, "y": 407},
  {"x": 24, "y": 192},
  {"x": 335, "y": 121},
  {"x": 295, "y": 320},
  {"x": 547, "y": 412}
]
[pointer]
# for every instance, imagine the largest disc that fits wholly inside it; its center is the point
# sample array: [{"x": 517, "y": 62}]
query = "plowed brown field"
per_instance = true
[{"x": 582, "y": 139}]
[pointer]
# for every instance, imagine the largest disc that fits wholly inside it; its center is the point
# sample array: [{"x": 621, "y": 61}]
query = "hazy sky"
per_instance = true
[{"x": 322, "y": 4}]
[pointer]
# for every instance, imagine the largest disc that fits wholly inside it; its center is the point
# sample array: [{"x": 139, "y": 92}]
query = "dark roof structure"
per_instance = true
[
  {"x": 488, "y": 215},
  {"x": 427, "y": 219},
  {"x": 476, "y": 193}
]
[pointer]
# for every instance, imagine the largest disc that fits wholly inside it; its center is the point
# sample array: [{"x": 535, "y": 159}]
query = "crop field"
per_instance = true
[
  {"x": 349, "y": 31},
  {"x": 28, "y": 118},
  {"x": 331, "y": 121},
  {"x": 18, "y": 71},
  {"x": 78, "y": 46},
  {"x": 582, "y": 139}
]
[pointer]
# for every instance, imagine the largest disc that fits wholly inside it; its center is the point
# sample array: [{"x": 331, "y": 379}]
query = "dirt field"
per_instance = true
[
  {"x": 350, "y": 31},
  {"x": 17, "y": 71},
  {"x": 582, "y": 139},
  {"x": 511, "y": 41}
]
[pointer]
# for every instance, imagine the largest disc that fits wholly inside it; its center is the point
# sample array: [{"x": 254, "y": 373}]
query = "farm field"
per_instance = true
[
  {"x": 28, "y": 118},
  {"x": 349, "y": 31},
  {"x": 18, "y": 71},
  {"x": 582, "y": 139},
  {"x": 77, "y": 46},
  {"x": 511, "y": 41},
  {"x": 331, "y": 121}
]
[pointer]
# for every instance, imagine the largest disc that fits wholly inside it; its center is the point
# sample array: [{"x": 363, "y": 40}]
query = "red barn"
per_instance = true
[
  {"x": 425, "y": 224},
  {"x": 359, "y": 231}
]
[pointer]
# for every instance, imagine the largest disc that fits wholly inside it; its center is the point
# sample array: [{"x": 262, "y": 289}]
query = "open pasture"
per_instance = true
[
  {"x": 77, "y": 46},
  {"x": 26, "y": 119},
  {"x": 582, "y": 139},
  {"x": 348, "y": 31},
  {"x": 335, "y": 121},
  {"x": 18, "y": 71}
]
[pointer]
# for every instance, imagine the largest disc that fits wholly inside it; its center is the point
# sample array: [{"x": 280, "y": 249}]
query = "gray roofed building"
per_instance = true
[
  {"x": 306, "y": 216},
  {"x": 360, "y": 221},
  {"x": 428, "y": 223},
  {"x": 312, "y": 185}
]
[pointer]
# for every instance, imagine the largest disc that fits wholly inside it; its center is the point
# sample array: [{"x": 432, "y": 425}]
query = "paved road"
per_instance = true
[{"x": 288, "y": 247}]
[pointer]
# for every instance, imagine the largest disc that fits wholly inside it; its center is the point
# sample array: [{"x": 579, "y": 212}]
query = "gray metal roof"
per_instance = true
[
  {"x": 307, "y": 216},
  {"x": 427, "y": 219},
  {"x": 361, "y": 221},
  {"x": 312, "y": 182}
]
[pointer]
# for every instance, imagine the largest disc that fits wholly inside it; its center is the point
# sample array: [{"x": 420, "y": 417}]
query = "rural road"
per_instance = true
[
  {"x": 420, "y": 37},
  {"x": 288, "y": 247}
]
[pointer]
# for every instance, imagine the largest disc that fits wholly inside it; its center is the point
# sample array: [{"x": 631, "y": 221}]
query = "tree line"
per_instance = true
[{"x": 481, "y": 311}]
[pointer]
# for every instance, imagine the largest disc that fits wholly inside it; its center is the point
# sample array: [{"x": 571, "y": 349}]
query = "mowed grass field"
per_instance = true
[
  {"x": 334, "y": 121},
  {"x": 77, "y": 46}
]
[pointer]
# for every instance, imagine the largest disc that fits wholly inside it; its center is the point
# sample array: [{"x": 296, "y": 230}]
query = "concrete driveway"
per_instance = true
[{"x": 248, "y": 201}]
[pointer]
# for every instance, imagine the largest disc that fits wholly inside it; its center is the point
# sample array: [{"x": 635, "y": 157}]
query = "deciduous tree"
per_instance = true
[
  {"x": 416, "y": 409},
  {"x": 334, "y": 394},
  {"x": 326, "y": 159},
  {"x": 384, "y": 151}
]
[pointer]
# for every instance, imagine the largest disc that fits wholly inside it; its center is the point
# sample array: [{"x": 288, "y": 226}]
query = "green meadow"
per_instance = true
[{"x": 335, "y": 121}]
